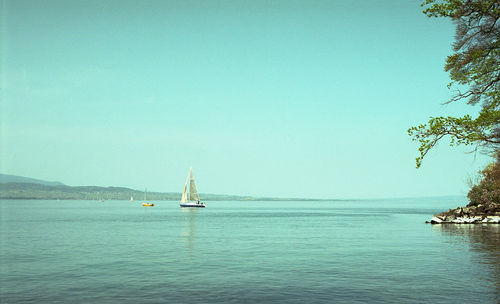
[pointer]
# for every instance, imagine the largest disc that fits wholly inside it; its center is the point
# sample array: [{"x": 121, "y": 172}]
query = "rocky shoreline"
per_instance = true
[{"x": 471, "y": 214}]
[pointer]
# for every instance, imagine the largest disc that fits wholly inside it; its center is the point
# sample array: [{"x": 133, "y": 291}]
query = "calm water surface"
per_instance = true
[{"x": 376, "y": 251}]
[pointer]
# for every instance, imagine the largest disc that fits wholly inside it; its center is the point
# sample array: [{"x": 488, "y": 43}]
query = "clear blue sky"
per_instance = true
[{"x": 266, "y": 98}]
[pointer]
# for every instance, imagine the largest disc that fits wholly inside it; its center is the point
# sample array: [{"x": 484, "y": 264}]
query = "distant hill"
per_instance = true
[
  {"x": 7, "y": 178},
  {"x": 39, "y": 191},
  {"x": 19, "y": 187}
]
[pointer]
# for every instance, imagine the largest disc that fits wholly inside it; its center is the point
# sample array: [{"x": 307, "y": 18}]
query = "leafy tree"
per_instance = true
[
  {"x": 487, "y": 191},
  {"x": 474, "y": 69}
]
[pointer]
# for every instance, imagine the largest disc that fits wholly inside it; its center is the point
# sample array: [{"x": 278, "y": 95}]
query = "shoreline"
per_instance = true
[{"x": 471, "y": 214}]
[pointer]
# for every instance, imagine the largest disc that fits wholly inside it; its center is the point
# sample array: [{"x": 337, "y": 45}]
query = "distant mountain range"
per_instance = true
[
  {"x": 19, "y": 187},
  {"x": 7, "y": 178}
]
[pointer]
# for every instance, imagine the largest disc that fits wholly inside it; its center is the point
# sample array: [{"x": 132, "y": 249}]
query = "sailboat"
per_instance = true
[
  {"x": 194, "y": 199},
  {"x": 146, "y": 203}
]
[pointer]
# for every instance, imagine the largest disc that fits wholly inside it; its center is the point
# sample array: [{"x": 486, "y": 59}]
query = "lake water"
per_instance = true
[{"x": 377, "y": 251}]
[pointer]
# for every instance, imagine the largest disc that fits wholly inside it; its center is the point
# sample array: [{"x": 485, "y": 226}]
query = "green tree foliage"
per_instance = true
[
  {"x": 474, "y": 69},
  {"x": 487, "y": 191}
]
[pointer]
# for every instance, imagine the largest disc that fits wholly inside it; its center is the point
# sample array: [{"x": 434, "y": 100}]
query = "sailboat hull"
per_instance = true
[{"x": 192, "y": 205}]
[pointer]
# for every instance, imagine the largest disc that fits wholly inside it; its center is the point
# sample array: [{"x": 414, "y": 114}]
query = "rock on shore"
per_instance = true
[{"x": 471, "y": 214}]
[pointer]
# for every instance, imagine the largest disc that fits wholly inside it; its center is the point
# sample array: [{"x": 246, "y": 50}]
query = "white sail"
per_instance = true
[
  {"x": 193, "y": 193},
  {"x": 184, "y": 192},
  {"x": 184, "y": 195}
]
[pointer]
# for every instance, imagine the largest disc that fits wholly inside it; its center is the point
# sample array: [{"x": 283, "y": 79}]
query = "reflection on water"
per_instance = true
[
  {"x": 189, "y": 226},
  {"x": 483, "y": 240}
]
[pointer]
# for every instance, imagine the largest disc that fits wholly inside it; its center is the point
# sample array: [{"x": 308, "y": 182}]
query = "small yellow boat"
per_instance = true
[{"x": 146, "y": 204}]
